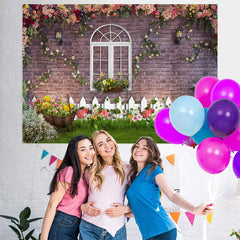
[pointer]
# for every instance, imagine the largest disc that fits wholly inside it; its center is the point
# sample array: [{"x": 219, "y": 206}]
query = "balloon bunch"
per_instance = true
[{"x": 210, "y": 120}]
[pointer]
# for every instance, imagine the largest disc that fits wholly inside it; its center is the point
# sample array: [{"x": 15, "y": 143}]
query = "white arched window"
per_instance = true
[{"x": 110, "y": 53}]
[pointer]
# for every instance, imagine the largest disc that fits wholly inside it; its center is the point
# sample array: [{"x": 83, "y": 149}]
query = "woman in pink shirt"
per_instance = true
[
  {"x": 103, "y": 216},
  {"x": 68, "y": 191}
]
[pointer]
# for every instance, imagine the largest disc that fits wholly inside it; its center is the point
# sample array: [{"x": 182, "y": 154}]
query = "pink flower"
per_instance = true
[
  {"x": 55, "y": 104},
  {"x": 86, "y": 110},
  {"x": 38, "y": 100},
  {"x": 134, "y": 118},
  {"x": 139, "y": 117}
]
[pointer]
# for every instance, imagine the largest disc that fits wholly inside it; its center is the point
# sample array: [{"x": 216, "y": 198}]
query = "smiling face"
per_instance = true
[
  {"x": 105, "y": 147},
  {"x": 140, "y": 151},
  {"x": 85, "y": 152}
]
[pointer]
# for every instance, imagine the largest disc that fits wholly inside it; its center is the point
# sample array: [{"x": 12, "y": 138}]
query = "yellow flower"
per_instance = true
[
  {"x": 71, "y": 106},
  {"x": 130, "y": 116},
  {"x": 101, "y": 75},
  {"x": 61, "y": 6},
  {"x": 45, "y": 104},
  {"x": 119, "y": 74},
  {"x": 47, "y": 99},
  {"x": 66, "y": 108},
  {"x": 104, "y": 82}
]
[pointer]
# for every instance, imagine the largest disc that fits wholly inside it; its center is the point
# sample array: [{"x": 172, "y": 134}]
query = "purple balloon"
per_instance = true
[
  {"x": 165, "y": 129},
  {"x": 203, "y": 90},
  {"x": 213, "y": 155},
  {"x": 236, "y": 164},
  {"x": 223, "y": 117},
  {"x": 228, "y": 89}
]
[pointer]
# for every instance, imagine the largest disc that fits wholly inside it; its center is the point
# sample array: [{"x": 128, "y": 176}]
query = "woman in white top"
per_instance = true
[{"x": 103, "y": 214}]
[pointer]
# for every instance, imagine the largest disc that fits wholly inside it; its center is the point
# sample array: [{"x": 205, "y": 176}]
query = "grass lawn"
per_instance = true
[{"x": 124, "y": 135}]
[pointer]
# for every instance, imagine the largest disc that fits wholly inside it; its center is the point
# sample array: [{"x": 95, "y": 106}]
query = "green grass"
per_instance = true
[{"x": 122, "y": 132}]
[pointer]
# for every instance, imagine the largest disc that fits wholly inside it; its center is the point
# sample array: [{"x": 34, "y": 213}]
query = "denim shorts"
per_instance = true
[
  {"x": 90, "y": 231},
  {"x": 171, "y": 235},
  {"x": 64, "y": 227}
]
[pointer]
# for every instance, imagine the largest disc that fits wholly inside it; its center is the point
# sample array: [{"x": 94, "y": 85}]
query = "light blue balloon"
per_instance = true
[
  {"x": 187, "y": 115},
  {"x": 204, "y": 132}
]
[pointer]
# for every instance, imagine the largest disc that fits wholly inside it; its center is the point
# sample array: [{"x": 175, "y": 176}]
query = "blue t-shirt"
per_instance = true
[{"x": 144, "y": 199}]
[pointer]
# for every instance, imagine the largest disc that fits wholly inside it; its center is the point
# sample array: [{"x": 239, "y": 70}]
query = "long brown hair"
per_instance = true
[
  {"x": 153, "y": 157},
  {"x": 99, "y": 164},
  {"x": 71, "y": 158}
]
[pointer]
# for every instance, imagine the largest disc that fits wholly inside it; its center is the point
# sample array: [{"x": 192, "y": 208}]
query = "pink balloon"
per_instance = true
[
  {"x": 226, "y": 88},
  {"x": 165, "y": 129},
  {"x": 233, "y": 141},
  {"x": 213, "y": 155},
  {"x": 203, "y": 90}
]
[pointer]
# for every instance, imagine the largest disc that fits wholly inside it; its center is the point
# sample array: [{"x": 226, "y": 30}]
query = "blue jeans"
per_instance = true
[
  {"x": 171, "y": 235},
  {"x": 64, "y": 227},
  {"x": 90, "y": 231}
]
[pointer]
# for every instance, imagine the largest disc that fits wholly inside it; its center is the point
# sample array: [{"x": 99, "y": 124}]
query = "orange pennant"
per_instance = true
[
  {"x": 58, "y": 163},
  {"x": 209, "y": 217},
  {"x": 171, "y": 159},
  {"x": 175, "y": 216}
]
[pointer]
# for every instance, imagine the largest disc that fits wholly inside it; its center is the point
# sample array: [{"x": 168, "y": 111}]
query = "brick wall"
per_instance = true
[{"x": 168, "y": 75}]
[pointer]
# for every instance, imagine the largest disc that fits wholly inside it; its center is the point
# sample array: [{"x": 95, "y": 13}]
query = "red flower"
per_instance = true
[
  {"x": 80, "y": 114},
  {"x": 146, "y": 114},
  {"x": 104, "y": 113},
  {"x": 151, "y": 110},
  {"x": 86, "y": 110}
]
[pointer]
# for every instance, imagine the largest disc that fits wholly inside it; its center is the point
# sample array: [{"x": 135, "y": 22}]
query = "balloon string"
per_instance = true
[{"x": 204, "y": 229}]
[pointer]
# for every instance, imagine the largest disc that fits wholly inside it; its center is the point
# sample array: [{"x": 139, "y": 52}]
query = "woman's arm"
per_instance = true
[
  {"x": 89, "y": 209},
  {"x": 202, "y": 209},
  {"x": 117, "y": 210},
  {"x": 55, "y": 199}
]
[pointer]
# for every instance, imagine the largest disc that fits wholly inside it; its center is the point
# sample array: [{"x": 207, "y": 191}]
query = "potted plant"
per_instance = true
[
  {"x": 236, "y": 233},
  {"x": 55, "y": 111},
  {"x": 107, "y": 84},
  {"x": 22, "y": 224}
]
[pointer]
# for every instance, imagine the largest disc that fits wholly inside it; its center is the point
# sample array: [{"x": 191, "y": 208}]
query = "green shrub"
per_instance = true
[{"x": 36, "y": 129}]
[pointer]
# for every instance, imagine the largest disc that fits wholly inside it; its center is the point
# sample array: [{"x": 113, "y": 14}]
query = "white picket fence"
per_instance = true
[{"x": 131, "y": 105}]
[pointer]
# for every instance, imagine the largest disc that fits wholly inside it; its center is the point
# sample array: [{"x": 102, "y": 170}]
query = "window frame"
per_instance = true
[{"x": 110, "y": 44}]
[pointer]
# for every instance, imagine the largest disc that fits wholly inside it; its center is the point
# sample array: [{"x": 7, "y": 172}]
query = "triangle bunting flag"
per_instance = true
[
  {"x": 190, "y": 217},
  {"x": 44, "y": 154},
  {"x": 209, "y": 217},
  {"x": 58, "y": 163},
  {"x": 175, "y": 216},
  {"x": 171, "y": 159},
  {"x": 52, "y": 160}
]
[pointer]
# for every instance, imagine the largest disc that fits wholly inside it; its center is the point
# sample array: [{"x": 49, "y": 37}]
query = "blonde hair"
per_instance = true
[{"x": 99, "y": 164}]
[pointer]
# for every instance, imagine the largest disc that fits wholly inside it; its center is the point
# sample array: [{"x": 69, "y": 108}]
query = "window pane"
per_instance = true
[
  {"x": 100, "y": 60},
  {"x": 120, "y": 60}
]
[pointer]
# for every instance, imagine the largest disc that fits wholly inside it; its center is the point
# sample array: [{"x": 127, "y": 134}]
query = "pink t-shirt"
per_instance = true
[
  {"x": 68, "y": 204},
  {"x": 112, "y": 192}
]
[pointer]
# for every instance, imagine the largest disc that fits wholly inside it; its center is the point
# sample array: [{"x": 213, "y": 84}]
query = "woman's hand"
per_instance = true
[
  {"x": 203, "y": 209},
  {"x": 117, "y": 211},
  {"x": 90, "y": 210}
]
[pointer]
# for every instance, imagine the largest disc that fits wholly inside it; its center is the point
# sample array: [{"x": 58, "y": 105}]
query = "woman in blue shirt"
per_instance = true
[{"x": 147, "y": 180}]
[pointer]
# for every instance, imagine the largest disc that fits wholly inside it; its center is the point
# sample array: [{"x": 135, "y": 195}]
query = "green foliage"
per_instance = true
[
  {"x": 36, "y": 129},
  {"x": 24, "y": 94},
  {"x": 22, "y": 224}
]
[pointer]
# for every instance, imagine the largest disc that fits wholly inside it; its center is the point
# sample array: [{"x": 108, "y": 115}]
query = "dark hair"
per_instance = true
[
  {"x": 70, "y": 159},
  {"x": 153, "y": 157}
]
